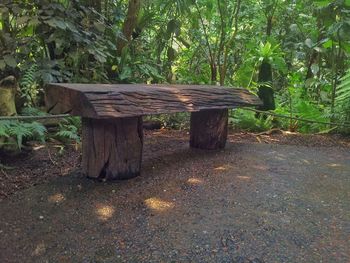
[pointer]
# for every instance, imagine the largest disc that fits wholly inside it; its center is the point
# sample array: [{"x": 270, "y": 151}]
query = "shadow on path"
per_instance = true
[{"x": 248, "y": 203}]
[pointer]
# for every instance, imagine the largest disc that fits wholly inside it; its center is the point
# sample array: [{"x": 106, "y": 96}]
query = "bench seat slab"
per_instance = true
[
  {"x": 132, "y": 100},
  {"x": 112, "y": 148},
  {"x": 209, "y": 129}
]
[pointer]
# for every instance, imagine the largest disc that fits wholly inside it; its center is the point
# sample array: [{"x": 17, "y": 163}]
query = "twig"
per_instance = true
[
  {"x": 53, "y": 162},
  {"x": 58, "y": 116},
  {"x": 269, "y": 132},
  {"x": 345, "y": 124},
  {"x": 2, "y": 166},
  {"x": 4, "y": 173},
  {"x": 258, "y": 139}
]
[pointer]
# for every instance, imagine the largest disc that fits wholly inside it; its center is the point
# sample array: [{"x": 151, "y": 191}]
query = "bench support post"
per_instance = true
[
  {"x": 112, "y": 148},
  {"x": 209, "y": 129}
]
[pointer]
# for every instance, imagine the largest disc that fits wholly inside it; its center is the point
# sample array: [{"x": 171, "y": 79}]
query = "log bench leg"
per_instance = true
[
  {"x": 112, "y": 148},
  {"x": 209, "y": 129}
]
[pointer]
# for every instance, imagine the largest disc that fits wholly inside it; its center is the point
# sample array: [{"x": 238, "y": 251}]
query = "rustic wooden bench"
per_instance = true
[{"x": 112, "y": 133}]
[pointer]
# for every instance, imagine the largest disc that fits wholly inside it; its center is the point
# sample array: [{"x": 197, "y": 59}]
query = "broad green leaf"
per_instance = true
[
  {"x": 315, "y": 69},
  {"x": 2, "y": 64},
  {"x": 22, "y": 20},
  {"x": 328, "y": 43},
  {"x": 323, "y": 3},
  {"x": 309, "y": 43},
  {"x": 126, "y": 73},
  {"x": 10, "y": 61},
  {"x": 99, "y": 26}
]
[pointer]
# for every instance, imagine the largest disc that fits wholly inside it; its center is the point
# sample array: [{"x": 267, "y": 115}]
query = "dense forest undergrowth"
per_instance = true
[{"x": 295, "y": 55}]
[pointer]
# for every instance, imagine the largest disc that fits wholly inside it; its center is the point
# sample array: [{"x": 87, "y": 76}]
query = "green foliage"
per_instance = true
[
  {"x": 304, "y": 110},
  {"x": 29, "y": 87},
  {"x": 68, "y": 130},
  {"x": 294, "y": 104},
  {"x": 246, "y": 120},
  {"x": 16, "y": 132},
  {"x": 30, "y": 111},
  {"x": 65, "y": 42},
  {"x": 343, "y": 102},
  {"x": 343, "y": 90},
  {"x": 307, "y": 43}
]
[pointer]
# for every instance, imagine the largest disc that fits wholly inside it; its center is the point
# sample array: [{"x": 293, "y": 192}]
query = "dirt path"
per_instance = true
[{"x": 252, "y": 202}]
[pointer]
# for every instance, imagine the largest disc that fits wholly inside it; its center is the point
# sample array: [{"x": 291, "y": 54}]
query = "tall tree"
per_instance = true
[
  {"x": 129, "y": 24},
  {"x": 265, "y": 89}
]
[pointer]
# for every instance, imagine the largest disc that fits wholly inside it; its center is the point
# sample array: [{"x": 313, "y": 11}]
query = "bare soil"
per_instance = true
[{"x": 266, "y": 198}]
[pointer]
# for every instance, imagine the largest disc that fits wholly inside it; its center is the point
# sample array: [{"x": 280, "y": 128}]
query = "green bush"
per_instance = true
[
  {"x": 69, "y": 129},
  {"x": 246, "y": 120},
  {"x": 14, "y": 133}
]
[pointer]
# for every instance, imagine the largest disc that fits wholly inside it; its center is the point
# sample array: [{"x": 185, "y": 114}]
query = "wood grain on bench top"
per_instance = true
[{"x": 129, "y": 100}]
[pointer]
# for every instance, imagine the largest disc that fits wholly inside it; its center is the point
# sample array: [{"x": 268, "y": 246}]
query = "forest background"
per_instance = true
[{"x": 294, "y": 54}]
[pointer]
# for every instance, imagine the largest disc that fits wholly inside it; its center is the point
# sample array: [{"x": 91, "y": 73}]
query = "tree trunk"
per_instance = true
[
  {"x": 213, "y": 71},
  {"x": 129, "y": 24},
  {"x": 7, "y": 96},
  {"x": 112, "y": 148},
  {"x": 209, "y": 129},
  {"x": 265, "y": 91}
]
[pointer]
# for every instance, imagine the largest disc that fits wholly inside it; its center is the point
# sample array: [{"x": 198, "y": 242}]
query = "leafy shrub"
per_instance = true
[
  {"x": 30, "y": 111},
  {"x": 14, "y": 133},
  {"x": 246, "y": 120},
  {"x": 343, "y": 102},
  {"x": 69, "y": 130},
  {"x": 29, "y": 88}
]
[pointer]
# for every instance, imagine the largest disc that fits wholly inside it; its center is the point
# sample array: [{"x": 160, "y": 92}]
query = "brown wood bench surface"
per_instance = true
[{"x": 112, "y": 136}]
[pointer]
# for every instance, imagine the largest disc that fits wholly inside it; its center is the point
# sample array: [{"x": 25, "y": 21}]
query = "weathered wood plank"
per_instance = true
[{"x": 125, "y": 100}]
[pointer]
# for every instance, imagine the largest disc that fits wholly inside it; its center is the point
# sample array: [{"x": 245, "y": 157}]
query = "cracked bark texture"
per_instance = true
[
  {"x": 112, "y": 119},
  {"x": 209, "y": 129},
  {"x": 126, "y": 100},
  {"x": 112, "y": 148}
]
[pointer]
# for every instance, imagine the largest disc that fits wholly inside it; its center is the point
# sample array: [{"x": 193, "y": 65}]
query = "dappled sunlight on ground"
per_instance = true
[
  {"x": 39, "y": 249},
  {"x": 223, "y": 167},
  {"x": 244, "y": 178},
  {"x": 56, "y": 198},
  {"x": 306, "y": 161},
  {"x": 240, "y": 204},
  {"x": 158, "y": 204},
  {"x": 194, "y": 181},
  {"x": 104, "y": 212},
  {"x": 260, "y": 167},
  {"x": 335, "y": 165},
  {"x": 280, "y": 158}
]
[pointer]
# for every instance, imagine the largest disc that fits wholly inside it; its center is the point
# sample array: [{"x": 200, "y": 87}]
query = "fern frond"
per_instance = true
[
  {"x": 31, "y": 111},
  {"x": 19, "y": 131},
  {"x": 69, "y": 129},
  {"x": 343, "y": 90},
  {"x": 38, "y": 130},
  {"x": 4, "y": 125},
  {"x": 22, "y": 130},
  {"x": 29, "y": 86}
]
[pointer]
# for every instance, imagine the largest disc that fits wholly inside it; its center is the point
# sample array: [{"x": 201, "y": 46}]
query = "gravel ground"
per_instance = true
[{"x": 259, "y": 200}]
